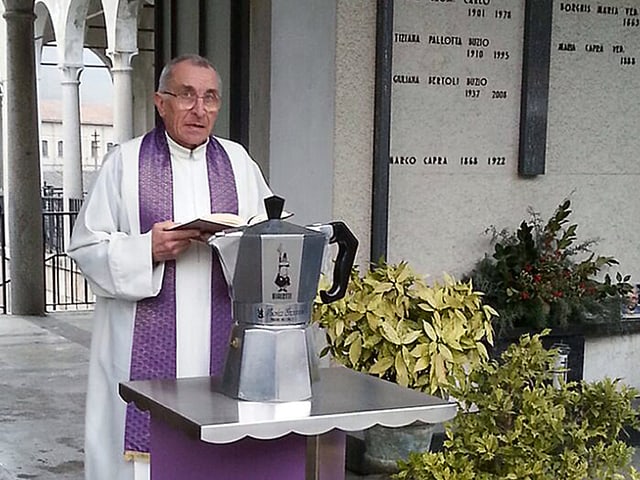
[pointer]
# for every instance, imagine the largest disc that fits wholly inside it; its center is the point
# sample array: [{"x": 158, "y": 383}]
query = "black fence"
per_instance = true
[
  {"x": 65, "y": 287},
  {"x": 4, "y": 283}
]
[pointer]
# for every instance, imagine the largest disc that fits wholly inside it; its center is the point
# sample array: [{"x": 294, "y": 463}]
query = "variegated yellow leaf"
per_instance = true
[
  {"x": 411, "y": 337},
  {"x": 453, "y": 302},
  {"x": 352, "y": 317},
  {"x": 460, "y": 315},
  {"x": 389, "y": 333},
  {"x": 489, "y": 331},
  {"x": 420, "y": 350},
  {"x": 404, "y": 272},
  {"x": 421, "y": 364},
  {"x": 339, "y": 328},
  {"x": 383, "y": 287},
  {"x": 373, "y": 320},
  {"x": 402, "y": 375},
  {"x": 430, "y": 331},
  {"x": 437, "y": 320},
  {"x": 430, "y": 298},
  {"x": 482, "y": 350},
  {"x": 353, "y": 336},
  {"x": 355, "y": 350},
  {"x": 372, "y": 341},
  {"x": 489, "y": 312},
  {"x": 439, "y": 369},
  {"x": 426, "y": 307},
  {"x": 408, "y": 359},
  {"x": 381, "y": 366},
  {"x": 445, "y": 352}
]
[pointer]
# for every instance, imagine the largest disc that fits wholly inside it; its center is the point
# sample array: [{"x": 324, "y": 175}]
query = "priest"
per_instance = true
[{"x": 162, "y": 305}]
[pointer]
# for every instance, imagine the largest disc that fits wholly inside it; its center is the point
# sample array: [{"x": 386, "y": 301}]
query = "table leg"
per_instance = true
[{"x": 326, "y": 456}]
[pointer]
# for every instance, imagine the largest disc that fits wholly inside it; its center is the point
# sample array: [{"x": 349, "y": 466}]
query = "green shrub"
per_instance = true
[
  {"x": 393, "y": 325},
  {"x": 521, "y": 427}
]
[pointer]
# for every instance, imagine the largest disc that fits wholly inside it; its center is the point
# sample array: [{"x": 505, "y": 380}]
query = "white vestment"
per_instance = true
[{"x": 116, "y": 260}]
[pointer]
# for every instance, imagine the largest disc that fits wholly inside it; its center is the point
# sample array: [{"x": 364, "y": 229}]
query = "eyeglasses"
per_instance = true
[{"x": 187, "y": 100}]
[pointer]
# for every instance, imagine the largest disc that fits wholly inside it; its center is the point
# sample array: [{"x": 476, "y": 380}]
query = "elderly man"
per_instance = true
[{"x": 162, "y": 308}]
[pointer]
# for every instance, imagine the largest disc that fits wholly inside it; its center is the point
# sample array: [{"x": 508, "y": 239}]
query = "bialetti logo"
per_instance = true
[{"x": 282, "y": 280}]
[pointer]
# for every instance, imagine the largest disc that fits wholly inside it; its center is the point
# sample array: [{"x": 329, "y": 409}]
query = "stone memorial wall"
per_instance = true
[{"x": 455, "y": 128}]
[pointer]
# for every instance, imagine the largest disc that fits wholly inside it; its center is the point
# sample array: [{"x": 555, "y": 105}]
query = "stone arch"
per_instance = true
[
  {"x": 71, "y": 42},
  {"x": 44, "y": 29},
  {"x": 121, "y": 18}
]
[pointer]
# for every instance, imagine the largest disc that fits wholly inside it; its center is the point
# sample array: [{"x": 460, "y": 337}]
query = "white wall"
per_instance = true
[
  {"x": 614, "y": 357},
  {"x": 302, "y": 106},
  {"x": 353, "y": 135}
]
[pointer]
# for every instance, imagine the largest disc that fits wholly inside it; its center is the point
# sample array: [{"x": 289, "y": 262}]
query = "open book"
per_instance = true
[{"x": 215, "y": 222}]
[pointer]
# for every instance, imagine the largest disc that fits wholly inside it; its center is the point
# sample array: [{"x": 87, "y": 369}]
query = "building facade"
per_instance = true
[
  {"x": 309, "y": 88},
  {"x": 96, "y": 140}
]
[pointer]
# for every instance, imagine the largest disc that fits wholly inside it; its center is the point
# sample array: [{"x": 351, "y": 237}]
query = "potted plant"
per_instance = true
[
  {"x": 541, "y": 276},
  {"x": 524, "y": 425},
  {"x": 394, "y": 325}
]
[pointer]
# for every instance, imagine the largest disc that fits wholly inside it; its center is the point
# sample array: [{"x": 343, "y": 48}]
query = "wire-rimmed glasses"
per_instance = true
[{"x": 187, "y": 99}]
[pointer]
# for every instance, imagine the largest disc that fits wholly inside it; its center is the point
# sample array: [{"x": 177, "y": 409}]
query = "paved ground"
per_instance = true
[
  {"x": 43, "y": 370},
  {"x": 43, "y": 375}
]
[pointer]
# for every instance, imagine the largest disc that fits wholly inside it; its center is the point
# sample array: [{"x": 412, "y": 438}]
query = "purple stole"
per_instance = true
[{"x": 153, "y": 352}]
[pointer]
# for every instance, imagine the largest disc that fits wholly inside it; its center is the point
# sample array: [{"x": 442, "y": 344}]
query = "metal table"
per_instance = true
[{"x": 199, "y": 433}]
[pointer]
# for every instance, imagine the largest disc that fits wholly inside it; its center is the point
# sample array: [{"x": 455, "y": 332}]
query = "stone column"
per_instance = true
[
  {"x": 122, "y": 95},
  {"x": 1, "y": 139},
  {"x": 23, "y": 164},
  {"x": 72, "y": 151}
]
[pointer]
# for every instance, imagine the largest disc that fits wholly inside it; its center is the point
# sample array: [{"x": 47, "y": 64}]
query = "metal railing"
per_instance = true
[
  {"x": 4, "y": 281},
  {"x": 65, "y": 287}
]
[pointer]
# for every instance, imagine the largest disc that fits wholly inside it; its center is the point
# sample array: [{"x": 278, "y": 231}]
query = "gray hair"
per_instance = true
[{"x": 193, "y": 59}]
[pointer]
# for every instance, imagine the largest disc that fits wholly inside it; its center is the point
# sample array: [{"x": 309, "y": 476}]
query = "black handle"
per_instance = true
[{"x": 347, "y": 247}]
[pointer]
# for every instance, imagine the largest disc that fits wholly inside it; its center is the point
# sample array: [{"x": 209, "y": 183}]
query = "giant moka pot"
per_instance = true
[{"x": 273, "y": 269}]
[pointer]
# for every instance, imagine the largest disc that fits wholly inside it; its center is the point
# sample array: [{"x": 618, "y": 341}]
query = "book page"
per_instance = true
[{"x": 212, "y": 223}]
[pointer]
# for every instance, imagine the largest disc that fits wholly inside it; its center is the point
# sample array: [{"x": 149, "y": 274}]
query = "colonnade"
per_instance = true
[
  {"x": 122, "y": 74},
  {"x": 22, "y": 195}
]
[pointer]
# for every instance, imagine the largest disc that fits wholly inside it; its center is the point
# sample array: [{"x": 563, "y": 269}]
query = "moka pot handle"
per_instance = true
[{"x": 347, "y": 247}]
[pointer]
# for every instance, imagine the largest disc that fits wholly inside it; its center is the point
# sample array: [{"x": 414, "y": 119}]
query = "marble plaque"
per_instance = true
[
  {"x": 456, "y": 87},
  {"x": 594, "y": 95}
]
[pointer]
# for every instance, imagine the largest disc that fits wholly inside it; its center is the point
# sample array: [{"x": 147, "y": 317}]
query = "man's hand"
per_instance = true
[{"x": 168, "y": 244}]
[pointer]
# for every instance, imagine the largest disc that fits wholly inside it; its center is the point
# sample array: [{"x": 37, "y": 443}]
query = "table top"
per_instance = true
[{"x": 342, "y": 399}]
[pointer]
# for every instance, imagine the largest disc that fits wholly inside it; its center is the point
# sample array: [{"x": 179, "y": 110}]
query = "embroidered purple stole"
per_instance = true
[{"x": 153, "y": 352}]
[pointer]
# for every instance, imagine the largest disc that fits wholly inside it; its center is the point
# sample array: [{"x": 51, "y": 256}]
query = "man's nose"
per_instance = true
[{"x": 198, "y": 107}]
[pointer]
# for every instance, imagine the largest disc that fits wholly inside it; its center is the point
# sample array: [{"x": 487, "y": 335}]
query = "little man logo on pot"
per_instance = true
[{"x": 282, "y": 279}]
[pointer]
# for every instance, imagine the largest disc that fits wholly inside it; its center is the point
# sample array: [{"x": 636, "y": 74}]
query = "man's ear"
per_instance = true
[{"x": 158, "y": 99}]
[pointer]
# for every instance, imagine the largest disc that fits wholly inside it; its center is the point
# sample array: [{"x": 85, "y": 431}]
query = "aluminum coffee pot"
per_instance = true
[{"x": 272, "y": 269}]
